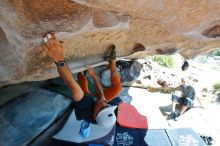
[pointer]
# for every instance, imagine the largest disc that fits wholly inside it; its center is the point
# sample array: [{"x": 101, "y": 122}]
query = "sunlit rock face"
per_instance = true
[{"x": 89, "y": 27}]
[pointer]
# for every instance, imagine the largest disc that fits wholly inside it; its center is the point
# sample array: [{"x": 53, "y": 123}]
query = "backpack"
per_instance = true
[{"x": 185, "y": 65}]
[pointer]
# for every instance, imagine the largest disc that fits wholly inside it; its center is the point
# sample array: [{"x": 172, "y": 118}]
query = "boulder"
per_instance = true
[
  {"x": 30, "y": 114},
  {"x": 89, "y": 27}
]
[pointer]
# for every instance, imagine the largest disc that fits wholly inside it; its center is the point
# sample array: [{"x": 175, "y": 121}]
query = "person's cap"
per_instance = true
[
  {"x": 184, "y": 79},
  {"x": 106, "y": 117}
]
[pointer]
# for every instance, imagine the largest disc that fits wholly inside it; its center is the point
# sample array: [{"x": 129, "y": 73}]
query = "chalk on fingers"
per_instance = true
[
  {"x": 45, "y": 40},
  {"x": 49, "y": 36}
]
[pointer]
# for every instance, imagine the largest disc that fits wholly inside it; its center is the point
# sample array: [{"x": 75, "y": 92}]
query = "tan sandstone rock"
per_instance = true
[{"x": 88, "y": 27}]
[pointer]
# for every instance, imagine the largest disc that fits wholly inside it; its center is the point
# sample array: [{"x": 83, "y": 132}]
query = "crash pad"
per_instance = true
[
  {"x": 129, "y": 117},
  {"x": 184, "y": 137},
  {"x": 129, "y": 136},
  {"x": 157, "y": 137},
  {"x": 70, "y": 133}
]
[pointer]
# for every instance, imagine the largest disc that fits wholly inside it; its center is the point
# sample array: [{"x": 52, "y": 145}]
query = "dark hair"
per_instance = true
[{"x": 185, "y": 65}]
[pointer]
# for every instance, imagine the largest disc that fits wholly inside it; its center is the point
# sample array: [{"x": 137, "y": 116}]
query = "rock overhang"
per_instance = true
[{"x": 89, "y": 27}]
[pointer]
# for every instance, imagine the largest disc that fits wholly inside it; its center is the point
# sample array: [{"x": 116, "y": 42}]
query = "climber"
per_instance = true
[
  {"x": 186, "y": 100},
  {"x": 89, "y": 107}
]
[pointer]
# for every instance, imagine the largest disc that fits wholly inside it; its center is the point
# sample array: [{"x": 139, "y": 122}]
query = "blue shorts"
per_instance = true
[{"x": 181, "y": 100}]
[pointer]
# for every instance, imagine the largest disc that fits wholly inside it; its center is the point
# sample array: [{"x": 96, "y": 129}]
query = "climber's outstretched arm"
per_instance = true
[{"x": 55, "y": 50}]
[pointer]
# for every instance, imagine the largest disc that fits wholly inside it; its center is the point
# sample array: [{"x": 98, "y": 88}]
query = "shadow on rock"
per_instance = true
[{"x": 165, "y": 110}]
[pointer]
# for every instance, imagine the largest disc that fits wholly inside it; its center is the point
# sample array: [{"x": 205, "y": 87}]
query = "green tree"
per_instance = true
[
  {"x": 164, "y": 60},
  {"x": 216, "y": 87}
]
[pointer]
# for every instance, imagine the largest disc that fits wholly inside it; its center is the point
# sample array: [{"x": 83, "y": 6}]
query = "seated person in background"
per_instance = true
[
  {"x": 88, "y": 107},
  {"x": 186, "y": 100}
]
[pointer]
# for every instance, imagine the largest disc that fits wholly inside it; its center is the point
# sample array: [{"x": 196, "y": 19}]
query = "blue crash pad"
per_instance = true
[
  {"x": 184, "y": 137},
  {"x": 157, "y": 137}
]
